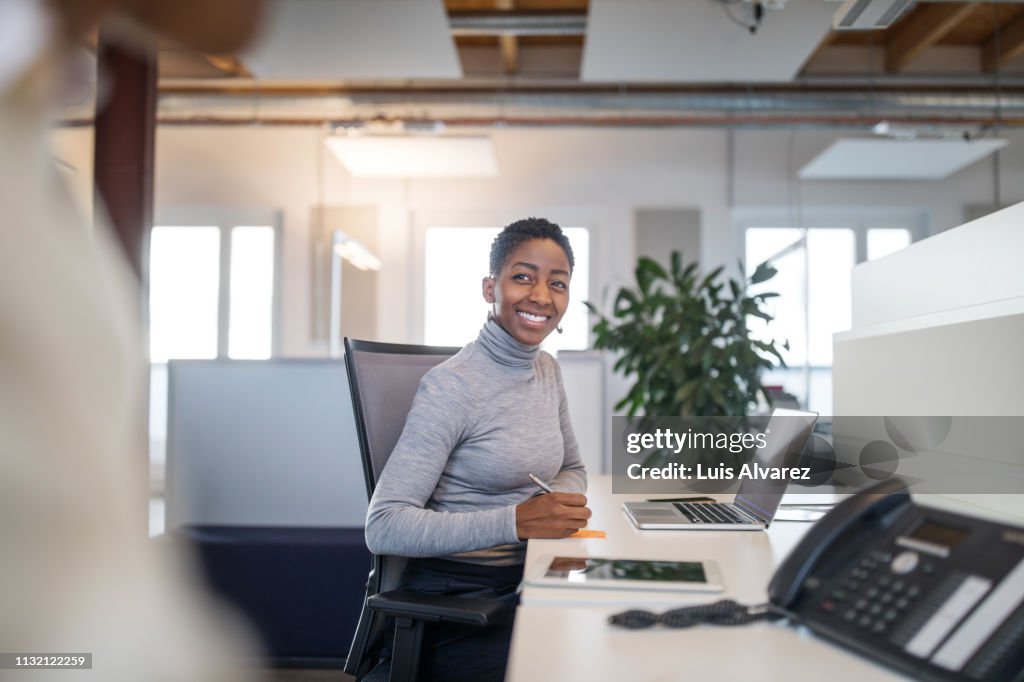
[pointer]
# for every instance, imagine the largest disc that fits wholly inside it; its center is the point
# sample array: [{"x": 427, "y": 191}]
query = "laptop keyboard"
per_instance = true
[{"x": 708, "y": 512}]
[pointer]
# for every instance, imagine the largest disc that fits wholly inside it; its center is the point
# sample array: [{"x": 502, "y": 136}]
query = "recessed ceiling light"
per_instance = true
[
  {"x": 871, "y": 159},
  {"x": 401, "y": 156}
]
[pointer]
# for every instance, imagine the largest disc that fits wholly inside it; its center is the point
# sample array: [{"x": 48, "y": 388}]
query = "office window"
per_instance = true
[
  {"x": 211, "y": 295},
  {"x": 196, "y": 311},
  {"x": 456, "y": 260},
  {"x": 184, "y": 281},
  {"x": 883, "y": 241},
  {"x": 814, "y": 287},
  {"x": 251, "y": 307},
  {"x": 814, "y": 282}
]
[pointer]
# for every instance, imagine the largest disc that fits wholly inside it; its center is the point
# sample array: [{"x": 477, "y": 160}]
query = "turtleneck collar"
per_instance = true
[{"x": 499, "y": 345}]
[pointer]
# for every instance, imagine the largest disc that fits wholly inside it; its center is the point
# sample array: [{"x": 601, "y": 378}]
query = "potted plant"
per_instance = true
[{"x": 685, "y": 340}]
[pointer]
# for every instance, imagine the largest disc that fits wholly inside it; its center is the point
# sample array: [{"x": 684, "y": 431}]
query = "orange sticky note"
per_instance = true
[{"x": 589, "y": 534}]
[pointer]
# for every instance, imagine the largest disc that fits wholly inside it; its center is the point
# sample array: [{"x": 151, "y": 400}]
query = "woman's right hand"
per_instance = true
[{"x": 552, "y": 515}]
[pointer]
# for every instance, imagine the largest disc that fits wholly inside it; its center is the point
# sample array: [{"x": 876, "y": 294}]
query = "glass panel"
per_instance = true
[
  {"x": 764, "y": 243},
  {"x": 456, "y": 260},
  {"x": 807, "y": 313},
  {"x": 883, "y": 241},
  {"x": 831, "y": 257},
  {"x": 812, "y": 386},
  {"x": 184, "y": 272},
  {"x": 783, "y": 246},
  {"x": 250, "y": 327}
]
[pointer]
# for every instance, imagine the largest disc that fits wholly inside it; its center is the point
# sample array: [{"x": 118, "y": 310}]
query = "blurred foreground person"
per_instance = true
[{"x": 77, "y": 572}]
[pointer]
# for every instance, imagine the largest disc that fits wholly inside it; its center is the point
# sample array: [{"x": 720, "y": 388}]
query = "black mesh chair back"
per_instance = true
[{"x": 383, "y": 378}]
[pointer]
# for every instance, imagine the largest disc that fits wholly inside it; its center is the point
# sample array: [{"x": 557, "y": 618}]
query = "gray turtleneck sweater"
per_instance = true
[{"x": 480, "y": 422}]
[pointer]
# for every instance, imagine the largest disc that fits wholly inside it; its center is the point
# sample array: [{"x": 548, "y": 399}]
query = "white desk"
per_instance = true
[{"x": 562, "y": 634}]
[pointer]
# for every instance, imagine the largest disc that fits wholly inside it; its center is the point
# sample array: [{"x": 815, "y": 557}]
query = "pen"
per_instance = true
[{"x": 541, "y": 484}]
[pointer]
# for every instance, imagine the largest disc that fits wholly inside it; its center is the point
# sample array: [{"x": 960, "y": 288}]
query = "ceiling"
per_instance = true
[{"x": 608, "y": 62}]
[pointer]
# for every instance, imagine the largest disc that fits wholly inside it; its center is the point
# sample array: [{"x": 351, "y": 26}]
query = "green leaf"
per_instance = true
[
  {"x": 684, "y": 343},
  {"x": 687, "y": 391},
  {"x": 624, "y": 301},
  {"x": 676, "y": 264},
  {"x": 763, "y": 273},
  {"x": 686, "y": 279},
  {"x": 648, "y": 271},
  {"x": 711, "y": 277},
  {"x": 654, "y": 267}
]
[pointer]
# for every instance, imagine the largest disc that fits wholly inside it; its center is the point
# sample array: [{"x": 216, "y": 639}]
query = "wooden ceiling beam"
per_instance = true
[
  {"x": 1004, "y": 46},
  {"x": 922, "y": 29},
  {"x": 509, "y": 53},
  {"x": 230, "y": 65},
  {"x": 509, "y": 43}
]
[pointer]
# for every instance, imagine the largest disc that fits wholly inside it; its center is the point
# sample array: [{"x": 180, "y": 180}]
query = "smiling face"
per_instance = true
[{"x": 531, "y": 292}]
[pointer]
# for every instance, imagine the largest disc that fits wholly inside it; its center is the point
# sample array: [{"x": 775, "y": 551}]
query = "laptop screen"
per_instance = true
[{"x": 787, "y": 432}]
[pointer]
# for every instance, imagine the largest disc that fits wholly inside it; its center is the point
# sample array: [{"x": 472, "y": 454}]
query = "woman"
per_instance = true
[{"x": 456, "y": 493}]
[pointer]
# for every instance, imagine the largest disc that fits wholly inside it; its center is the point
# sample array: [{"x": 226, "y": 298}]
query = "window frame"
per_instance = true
[
  {"x": 424, "y": 220},
  {"x": 858, "y": 219},
  {"x": 225, "y": 219}
]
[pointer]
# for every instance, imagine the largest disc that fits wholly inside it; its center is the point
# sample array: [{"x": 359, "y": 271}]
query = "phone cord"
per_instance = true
[{"x": 725, "y": 612}]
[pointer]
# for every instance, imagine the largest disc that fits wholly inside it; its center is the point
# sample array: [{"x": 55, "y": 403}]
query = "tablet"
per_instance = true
[{"x": 626, "y": 574}]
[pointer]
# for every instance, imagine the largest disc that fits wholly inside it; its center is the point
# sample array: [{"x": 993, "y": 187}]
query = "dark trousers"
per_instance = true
[{"x": 453, "y": 652}]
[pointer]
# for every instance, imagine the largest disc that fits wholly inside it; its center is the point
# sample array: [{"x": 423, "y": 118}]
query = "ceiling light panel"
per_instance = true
[
  {"x": 871, "y": 159},
  {"x": 354, "y": 40},
  {"x": 415, "y": 157},
  {"x": 696, "y": 41}
]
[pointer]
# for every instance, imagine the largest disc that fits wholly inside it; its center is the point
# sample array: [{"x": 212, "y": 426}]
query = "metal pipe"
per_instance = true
[
  {"x": 810, "y": 108},
  {"x": 714, "y": 106},
  {"x": 515, "y": 24},
  {"x": 711, "y": 121}
]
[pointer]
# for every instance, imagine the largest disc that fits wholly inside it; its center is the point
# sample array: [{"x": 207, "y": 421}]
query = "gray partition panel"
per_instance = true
[
  {"x": 583, "y": 374},
  {"x": 262, "y": 443}
]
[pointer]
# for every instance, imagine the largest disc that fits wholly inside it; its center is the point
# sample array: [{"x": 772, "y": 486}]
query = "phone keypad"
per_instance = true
[{"x": 873, "y": 595}]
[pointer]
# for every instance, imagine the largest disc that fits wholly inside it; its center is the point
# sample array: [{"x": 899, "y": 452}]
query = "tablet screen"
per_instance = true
[{"x": 577, "y": 570}]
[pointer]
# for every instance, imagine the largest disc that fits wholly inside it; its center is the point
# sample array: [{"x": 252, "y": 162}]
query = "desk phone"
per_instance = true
[{"x": 938, "y": 595}]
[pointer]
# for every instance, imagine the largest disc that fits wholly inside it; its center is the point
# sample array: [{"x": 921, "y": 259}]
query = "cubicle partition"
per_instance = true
[
  {"x": 583, "y": 373},
  {"x": 935, "y": 346},
  {"x": 264, "y": 478}
]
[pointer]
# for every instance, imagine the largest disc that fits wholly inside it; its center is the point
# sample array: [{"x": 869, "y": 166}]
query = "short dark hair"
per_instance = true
[{"x": 524, "y": 230}]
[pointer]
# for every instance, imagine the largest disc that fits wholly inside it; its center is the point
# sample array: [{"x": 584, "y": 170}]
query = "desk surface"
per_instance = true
[{"x": 563, "y": 633}]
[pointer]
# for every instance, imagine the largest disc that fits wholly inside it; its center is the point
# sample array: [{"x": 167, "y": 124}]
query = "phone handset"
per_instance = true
[{"x": 875, "y": 501}]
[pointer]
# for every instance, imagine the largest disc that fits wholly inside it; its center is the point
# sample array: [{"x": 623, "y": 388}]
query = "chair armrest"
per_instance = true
[{"x": 436, "y": 608}]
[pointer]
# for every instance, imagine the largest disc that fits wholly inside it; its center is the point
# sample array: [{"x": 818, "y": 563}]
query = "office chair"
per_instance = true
[{"x": 383, "y": 378}]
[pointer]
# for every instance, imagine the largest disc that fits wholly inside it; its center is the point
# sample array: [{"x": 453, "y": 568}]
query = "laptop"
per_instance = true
[{"x": 756, "y": 500}]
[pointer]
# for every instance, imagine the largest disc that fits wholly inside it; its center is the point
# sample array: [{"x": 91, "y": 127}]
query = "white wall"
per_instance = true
[
  {"x": 599, "y": 176},
  {"x": 765, "y": 159},
  {"x": 593, "y": 177}
]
